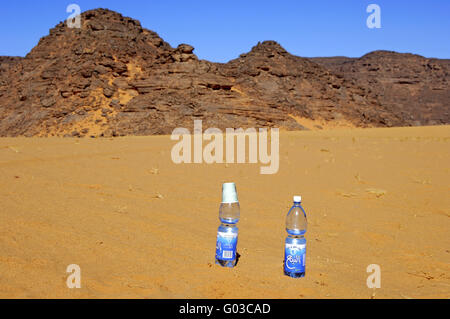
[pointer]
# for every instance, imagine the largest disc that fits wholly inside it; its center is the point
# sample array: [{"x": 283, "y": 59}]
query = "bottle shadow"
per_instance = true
[{"x": 238, "y": 256}]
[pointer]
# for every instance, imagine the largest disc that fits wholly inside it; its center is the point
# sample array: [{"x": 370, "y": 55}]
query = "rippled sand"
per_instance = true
[{"x": 140, "y": 226}]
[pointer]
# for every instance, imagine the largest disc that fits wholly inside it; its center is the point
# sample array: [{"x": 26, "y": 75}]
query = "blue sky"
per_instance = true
[{"x": 221, "y": 30}]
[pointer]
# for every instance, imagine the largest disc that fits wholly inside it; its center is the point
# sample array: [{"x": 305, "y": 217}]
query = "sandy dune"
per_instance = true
[{"x": 140, "y": 226}]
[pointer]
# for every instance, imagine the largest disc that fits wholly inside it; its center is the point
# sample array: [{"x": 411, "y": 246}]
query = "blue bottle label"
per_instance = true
[
  {"x": 294, "y": 260},
  {"x": 226, "y": 245}
]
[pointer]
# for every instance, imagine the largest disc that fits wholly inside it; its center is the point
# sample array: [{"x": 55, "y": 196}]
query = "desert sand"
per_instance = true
[{"x": 140, "y": 226}]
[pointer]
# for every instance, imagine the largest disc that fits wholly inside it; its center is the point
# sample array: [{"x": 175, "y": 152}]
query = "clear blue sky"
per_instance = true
[{"x": 221, "y": 30}]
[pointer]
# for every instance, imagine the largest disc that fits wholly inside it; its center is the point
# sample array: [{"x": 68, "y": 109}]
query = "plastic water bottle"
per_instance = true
[
  {"x": 295, "y": 245},
  {"x": 227, "y": 234}
]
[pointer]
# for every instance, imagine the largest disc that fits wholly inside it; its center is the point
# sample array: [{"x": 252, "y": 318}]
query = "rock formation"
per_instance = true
[{"x": 112, "y": 77}]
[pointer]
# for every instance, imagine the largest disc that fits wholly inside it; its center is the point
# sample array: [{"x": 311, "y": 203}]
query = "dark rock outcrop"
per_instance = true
[
  {"x": 112, "y": 77},
  {"x": 413, "y": 89}
]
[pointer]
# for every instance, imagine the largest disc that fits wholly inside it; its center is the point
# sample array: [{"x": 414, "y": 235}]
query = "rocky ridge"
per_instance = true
[{"x": 112, "y": 77}]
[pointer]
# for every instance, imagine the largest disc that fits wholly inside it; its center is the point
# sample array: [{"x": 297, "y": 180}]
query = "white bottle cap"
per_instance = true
[
  {"x": 297, "y": 199},
  {"x": 229, "y": 193}
]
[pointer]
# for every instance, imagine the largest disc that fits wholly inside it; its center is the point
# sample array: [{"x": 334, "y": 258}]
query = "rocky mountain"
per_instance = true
[
  {"x": 113, "y": 77},
  {"x": 414, "y": 89}
]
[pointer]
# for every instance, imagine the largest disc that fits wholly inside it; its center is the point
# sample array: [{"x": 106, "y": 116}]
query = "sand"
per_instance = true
[{"x": 140, "y": 226}]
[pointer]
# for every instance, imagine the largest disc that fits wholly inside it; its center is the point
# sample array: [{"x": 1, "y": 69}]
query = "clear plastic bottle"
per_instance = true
[
  {"x": 295, "y": 245},
  {"x": 227, "y": 234}
]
